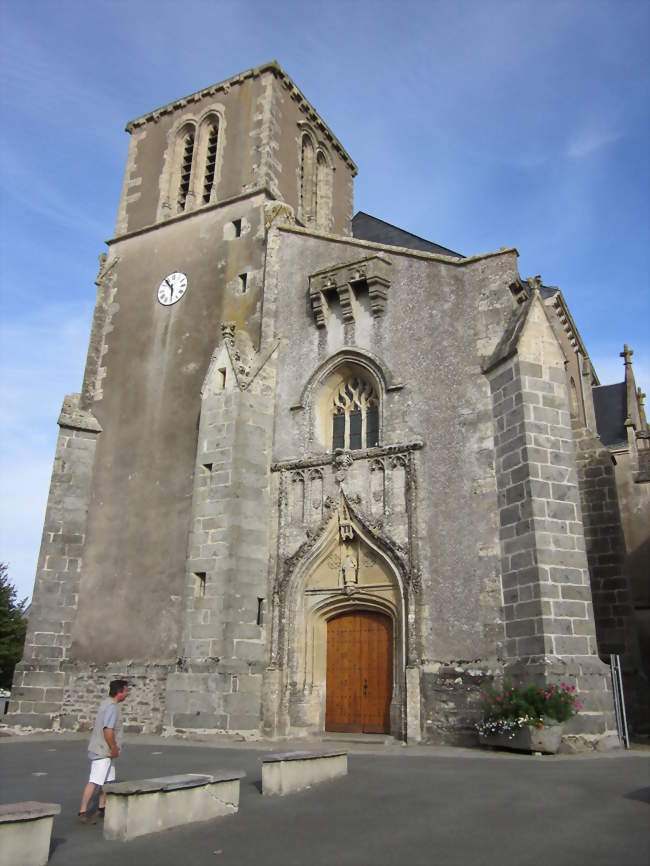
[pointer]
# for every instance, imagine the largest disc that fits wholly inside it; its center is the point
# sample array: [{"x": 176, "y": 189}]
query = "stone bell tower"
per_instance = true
[{"x": 161, "y": 471}]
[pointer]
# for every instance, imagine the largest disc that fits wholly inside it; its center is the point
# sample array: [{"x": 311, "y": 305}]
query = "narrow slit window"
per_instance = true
[
  {"x": 243, "y": 283},
  {"x": 199, "y": 584},
  {"x": 237, "y": 226},
  {"x": 210, "y": 163},
  {"x": 222, "y": 378},
  {"x": 186, "y": 170},
  {"x": 260, "y": 610}
]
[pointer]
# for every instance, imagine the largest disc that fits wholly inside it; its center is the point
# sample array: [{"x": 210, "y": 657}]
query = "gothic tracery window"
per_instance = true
[{"x": 355, "y": 415}]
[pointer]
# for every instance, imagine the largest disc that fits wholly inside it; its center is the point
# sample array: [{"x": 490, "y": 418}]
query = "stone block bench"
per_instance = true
[
  {"x": 25, "y": 833},
  {"x": 291, "y": 771},
  {"x": 149, "y": 805}
]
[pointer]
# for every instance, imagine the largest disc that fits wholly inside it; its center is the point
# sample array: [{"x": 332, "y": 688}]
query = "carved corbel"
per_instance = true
[
  {"x": 375, "y": 273},
  {"x": 347, "y": 280},
  {"x": 346, "y": 295},
  {"x": 317, "y": 289}
]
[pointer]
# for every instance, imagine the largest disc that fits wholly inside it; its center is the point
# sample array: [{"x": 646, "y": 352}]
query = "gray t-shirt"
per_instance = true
[{"x": 108, "y": 716}]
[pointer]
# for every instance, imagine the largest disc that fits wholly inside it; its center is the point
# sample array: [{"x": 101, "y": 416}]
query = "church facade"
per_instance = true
[{"x": 322, "y": 475}]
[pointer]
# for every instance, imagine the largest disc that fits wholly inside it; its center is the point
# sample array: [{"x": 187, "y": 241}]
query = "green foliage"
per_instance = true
[
  {"x": 13, "y": 625},
  {"x": 507, "y": 706}
]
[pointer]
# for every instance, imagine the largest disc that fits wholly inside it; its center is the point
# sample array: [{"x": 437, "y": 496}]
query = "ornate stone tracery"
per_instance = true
[{"x": 344, "y": 565}]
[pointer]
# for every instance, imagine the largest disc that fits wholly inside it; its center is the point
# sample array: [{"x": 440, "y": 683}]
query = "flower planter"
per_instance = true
[{"x": 546, "y": 740}]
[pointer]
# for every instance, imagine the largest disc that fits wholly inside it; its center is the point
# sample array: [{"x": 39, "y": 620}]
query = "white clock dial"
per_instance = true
[{"x": 172, "y": 289}]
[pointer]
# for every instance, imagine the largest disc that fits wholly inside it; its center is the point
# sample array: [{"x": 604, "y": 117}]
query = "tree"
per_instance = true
[{"x": 13, "y": 625}]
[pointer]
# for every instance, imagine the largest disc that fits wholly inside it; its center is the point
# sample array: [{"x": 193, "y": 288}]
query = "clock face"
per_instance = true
[{"x": 172, "y": 289}]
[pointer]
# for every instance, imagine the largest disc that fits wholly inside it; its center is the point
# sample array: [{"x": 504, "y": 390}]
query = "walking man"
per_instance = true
[{"x": 104, "y": 747}]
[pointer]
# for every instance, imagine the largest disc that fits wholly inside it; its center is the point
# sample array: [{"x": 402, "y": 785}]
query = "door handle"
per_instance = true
[{"x": 365, "y": 687}]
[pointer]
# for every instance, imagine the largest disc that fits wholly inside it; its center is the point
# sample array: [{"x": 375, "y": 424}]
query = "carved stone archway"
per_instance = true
[{"x": 344, "y": 567}]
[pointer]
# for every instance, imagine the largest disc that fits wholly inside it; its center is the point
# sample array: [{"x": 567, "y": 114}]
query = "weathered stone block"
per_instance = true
[
  {"x": 571, "y": 646},
  {"x": 573, "y": 609}
]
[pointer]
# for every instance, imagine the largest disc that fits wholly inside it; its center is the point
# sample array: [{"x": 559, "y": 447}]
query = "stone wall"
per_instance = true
[
  {"x": 610, "y": 585},
  {"x": 38, "y": 686},
  {"x": 217, "y": 684},
  {"x": 86, "y": 686},
  {"x": 550, "y": 630}
]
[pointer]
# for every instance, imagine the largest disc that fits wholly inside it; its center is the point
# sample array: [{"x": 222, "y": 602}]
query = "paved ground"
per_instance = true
[{"x": 398, "y": 805}]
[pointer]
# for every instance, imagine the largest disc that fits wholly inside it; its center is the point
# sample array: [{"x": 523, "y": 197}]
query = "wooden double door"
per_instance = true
[{"x": 359, "y": 672}]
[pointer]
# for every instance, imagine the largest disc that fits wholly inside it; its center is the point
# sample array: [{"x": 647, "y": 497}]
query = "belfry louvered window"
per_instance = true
[
  {"x": 186, "y": 169},
  {"x": 355, "y": 418},
  {"x": 210, "y": 162}
]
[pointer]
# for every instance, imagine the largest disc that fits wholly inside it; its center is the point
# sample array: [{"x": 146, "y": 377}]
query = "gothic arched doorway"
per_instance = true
[{"x": 359, "y": 681}]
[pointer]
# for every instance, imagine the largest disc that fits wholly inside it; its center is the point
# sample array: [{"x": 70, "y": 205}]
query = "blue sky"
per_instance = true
[{"x": 474, "y": 124}]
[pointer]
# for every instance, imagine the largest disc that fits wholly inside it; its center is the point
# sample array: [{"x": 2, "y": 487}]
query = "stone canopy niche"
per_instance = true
[{"x": 346, "y": 283}]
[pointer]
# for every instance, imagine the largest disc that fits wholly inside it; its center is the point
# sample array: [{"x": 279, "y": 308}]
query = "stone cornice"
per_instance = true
[
  {"x": 561, "y": 310},
  {"x": 224, "y": 86},
  {"x": 75, "y": 418},
  {"x": 251, "y": 193},
  {"x": 405, "y": 251},
  {"x": 362, "y": 454}
]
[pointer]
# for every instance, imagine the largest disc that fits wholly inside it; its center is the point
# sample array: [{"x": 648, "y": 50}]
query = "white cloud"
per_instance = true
[{"x": 588, "y": 141}]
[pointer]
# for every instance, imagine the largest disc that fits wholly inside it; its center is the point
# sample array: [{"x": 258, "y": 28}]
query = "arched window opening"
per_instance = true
[
  {"x": 186, "y": 170},
  {"x": 323, "y": 191},
  {"x": 355, "y": 415},
  {"x": 307, "y": 181},
  {"x": 210, "y": 162}
]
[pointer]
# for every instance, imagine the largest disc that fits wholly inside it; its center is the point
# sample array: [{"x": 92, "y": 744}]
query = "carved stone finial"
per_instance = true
[
  {"x": 535, "y": 282},
  {"x": 627, "y": 354},
  {"x": 280, "y": 212},
  {"x": 228, "y": 333},
  {"x": 640, "y": 397}
]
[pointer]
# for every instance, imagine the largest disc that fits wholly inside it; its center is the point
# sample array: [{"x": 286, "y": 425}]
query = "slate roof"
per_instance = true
[
  {"x": 610, "y": 404},
  {"x": 370, "y": 228}
]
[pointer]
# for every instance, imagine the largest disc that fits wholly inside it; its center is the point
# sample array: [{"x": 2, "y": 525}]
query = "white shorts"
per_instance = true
[{"x": 102, "y": 770}]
